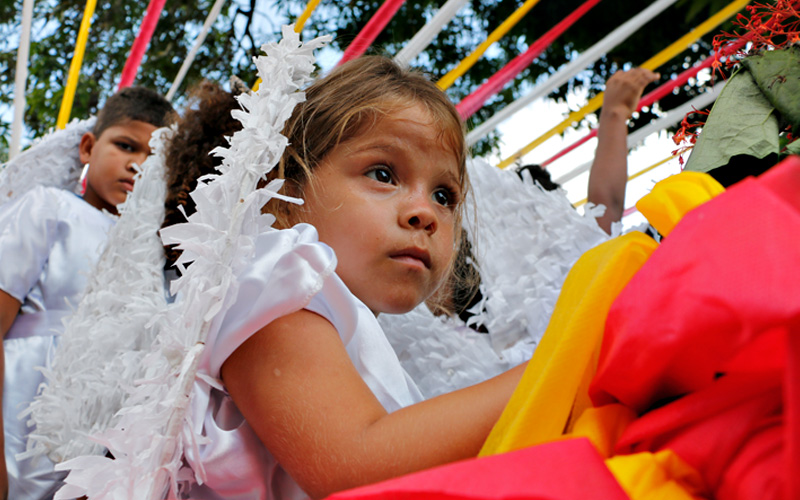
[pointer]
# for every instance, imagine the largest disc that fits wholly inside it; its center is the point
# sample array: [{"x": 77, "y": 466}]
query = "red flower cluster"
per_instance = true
[
  {"x": 765, "y": 27},
  {"x": 686, "y": 136}
]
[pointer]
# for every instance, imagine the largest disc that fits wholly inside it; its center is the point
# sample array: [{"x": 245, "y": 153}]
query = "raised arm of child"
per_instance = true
[
  {"x": 295, "y": 384},
  {"x": 609, "y": 173}
]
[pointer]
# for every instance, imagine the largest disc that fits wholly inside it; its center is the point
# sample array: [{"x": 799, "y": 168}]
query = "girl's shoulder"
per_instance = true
[{"x": 289, "y": 267}]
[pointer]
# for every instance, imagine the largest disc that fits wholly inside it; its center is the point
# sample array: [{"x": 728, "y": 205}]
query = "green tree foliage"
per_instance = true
[
  {"x": 244, "y": 26},
  {"x": 114, "y": 27}
]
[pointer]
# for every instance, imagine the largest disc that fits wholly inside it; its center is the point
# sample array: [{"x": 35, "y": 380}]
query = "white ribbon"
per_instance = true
[
  {"x": 428, "y": 32},
  {"x": 198, "y": 42},
  {"x": 21, "y": 78}
]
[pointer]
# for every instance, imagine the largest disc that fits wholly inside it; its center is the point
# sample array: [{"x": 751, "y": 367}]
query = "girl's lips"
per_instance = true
[
  {"x": 128, "y": 184},
  {"x": 414, "y": 256}
]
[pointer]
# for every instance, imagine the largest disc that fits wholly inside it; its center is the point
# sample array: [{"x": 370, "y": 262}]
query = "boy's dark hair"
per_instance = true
[
  {"x": 540, "y": 175},
  {"x": 134, "y": 103}
]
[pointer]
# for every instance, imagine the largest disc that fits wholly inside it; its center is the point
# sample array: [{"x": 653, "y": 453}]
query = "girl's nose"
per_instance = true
[{"x": 419, "y": 214}]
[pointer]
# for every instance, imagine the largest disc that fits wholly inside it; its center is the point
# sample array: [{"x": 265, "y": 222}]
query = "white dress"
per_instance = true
[
  {"x": 49, "y": 242},
  {"x": 292, "y": 270}
]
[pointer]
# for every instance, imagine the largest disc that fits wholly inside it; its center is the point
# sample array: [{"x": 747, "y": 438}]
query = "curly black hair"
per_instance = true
[{"x": 204, "y": 126}]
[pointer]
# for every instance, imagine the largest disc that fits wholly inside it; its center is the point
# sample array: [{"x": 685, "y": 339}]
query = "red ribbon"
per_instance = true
[
  {"x": 140, "y": 44},
  {"x": 368, "y": 34}
]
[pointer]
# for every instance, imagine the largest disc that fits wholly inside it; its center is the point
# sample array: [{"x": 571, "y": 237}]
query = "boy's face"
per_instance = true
[
  {"x": 111, "y": 157},
  {"x": 385, "y": 201}
]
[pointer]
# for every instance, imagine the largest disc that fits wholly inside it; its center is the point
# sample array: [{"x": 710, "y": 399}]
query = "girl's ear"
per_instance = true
[{"x": 87, "y": 143}]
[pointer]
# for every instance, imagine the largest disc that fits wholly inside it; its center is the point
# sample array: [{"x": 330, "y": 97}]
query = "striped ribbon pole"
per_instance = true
[
  {"x": 453, "y": 75},
  {"x": 654, "y": 62},
  {"x": 474, "y": 101},
  {"x": 75, "y": 65},
  {"x": 671, "y": 118},
  {"x": 140, "y": 44},
  {"x": 583, "y": 61}
]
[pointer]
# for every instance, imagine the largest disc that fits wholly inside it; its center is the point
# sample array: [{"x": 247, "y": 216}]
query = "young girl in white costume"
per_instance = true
[
  {"x": 315, "y": 400},
  {"x": 49, "y": 240}
]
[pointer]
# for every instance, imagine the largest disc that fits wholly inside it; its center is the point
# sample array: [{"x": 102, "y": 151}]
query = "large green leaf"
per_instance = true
[
  {"x": 793, "y": 148},
  {"x": 777, "y": 74},
  {"x": 742, "y": 122}
]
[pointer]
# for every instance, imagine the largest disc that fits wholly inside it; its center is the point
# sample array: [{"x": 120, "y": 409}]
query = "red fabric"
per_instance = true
[
  {"x": 722, "y": 278},
  {"x": 792, "y": 397},
  {"x": 474, "y": 101},
  {"x": 373, "y": 27},
  {"x": 140, "y": 44},
  {"x": 703, "y": 342},
  {"x": 561, "y": 470}
]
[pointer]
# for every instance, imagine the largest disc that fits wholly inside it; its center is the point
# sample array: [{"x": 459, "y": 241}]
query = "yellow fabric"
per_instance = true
[
  {"x": 453, "y": 75},
  {"x": 654, "y": 62},
  {"x": 75, "y": 66},
  {"x": 603, "y": 426},
  {"x": 540, "y": 407},
  {"x": 669, "y": 200},
  {"x": 659, "y": 476}
]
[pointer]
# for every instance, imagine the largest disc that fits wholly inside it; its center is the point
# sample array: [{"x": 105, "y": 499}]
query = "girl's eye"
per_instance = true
[
  {"x": 125, "y": 146},
  {"x": 380, "y": 174},
  {"x": 443, "y": 197}
]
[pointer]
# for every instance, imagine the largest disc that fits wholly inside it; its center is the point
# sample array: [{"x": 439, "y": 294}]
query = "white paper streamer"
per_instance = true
[
  {"x": 100, "y": 353},
  {"x": 672, "y": 117},
  {"x": 425, "y": 36},
  {"x": 570, "y": 70},
  {"x": 198, "y": 42}
]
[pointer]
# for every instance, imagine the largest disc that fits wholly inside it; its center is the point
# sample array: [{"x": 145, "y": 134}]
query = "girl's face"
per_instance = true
[
  {"x": 111, "y": 157},
  {"x": 386, "y": 202}
]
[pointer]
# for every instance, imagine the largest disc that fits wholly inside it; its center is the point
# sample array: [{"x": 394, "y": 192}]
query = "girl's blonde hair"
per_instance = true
[{"x": 346, "y": 103}]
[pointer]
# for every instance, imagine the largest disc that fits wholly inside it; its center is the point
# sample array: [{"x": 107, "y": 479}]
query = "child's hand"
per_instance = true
[{"x": 624, "y": 90}]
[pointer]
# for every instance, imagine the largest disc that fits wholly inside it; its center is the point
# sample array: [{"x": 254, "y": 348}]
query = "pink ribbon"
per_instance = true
[
  {"x": 140, "y": 44},
  {"x": 368, "y": 34}
]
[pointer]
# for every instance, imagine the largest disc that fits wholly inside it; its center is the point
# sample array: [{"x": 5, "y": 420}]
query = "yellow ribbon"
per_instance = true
[
  {"x": 654, "y": 62},
  {"x": 448, "y": 79},
  {"x": 75, "y": 65},
  {"x": 301, "y": 21}
]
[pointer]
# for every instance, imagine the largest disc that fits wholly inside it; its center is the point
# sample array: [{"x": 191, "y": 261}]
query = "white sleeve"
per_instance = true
[
  {"x": 289, "y": 268},
  {"x": 29, "y": 226}
]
